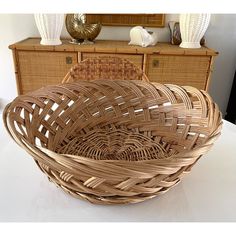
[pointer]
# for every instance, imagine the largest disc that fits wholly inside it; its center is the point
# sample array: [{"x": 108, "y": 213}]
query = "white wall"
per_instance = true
[
  {"x": 221, "y": 36},
  {"x": 13, "y": 27}
]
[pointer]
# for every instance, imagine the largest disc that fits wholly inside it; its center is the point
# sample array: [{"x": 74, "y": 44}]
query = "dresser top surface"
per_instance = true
[{"x": 111, "y": 46}]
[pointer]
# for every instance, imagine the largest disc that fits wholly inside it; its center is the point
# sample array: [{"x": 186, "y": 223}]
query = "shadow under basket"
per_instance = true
[{"x": 113, "y": 142}]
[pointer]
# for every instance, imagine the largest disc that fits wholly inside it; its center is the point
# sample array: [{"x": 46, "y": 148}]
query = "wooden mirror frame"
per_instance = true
[{"x": 147, "y": 20}]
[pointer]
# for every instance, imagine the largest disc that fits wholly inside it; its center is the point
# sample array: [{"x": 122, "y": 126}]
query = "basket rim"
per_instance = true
[
  {"x": 215, "y": 133},
  {"x": 45, "y": 151}
]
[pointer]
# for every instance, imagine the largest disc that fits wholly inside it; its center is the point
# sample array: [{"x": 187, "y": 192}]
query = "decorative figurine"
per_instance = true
[
  {"x": 140, "y": 36},
  {"x": 80, "y": 31}
]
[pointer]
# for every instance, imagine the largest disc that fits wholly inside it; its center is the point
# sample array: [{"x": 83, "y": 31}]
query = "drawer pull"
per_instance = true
[
  {"x": 155, "y": 63},
  {"x": 68, "y": 60}
]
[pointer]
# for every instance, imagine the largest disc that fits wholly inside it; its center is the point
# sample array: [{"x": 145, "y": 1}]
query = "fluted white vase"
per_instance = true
[
  {"x": 50, "y": 27},
  {"x": 192, "y": 29}
]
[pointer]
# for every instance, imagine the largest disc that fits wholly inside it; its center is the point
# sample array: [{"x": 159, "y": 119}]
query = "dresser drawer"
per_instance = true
[
  {"x": 136, "y": 59},
  {"x": 38, "y": 69},
  {"x": 180, "y": 70}
]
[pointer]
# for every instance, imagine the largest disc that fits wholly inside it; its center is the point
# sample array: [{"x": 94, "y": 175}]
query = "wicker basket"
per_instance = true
[
  {"x": 110, "y": 68},
  {"x": 117, "y": 141}
]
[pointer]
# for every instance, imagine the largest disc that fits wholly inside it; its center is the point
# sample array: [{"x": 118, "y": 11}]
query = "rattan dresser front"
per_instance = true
[{"x": 38, "y": 65}]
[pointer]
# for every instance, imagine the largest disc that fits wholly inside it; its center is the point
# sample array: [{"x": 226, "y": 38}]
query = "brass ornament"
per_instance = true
[{"x": 80, "y": 31}]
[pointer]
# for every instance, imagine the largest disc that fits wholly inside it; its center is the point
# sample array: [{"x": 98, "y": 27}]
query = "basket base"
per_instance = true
[{"x": 109, "y": 193}]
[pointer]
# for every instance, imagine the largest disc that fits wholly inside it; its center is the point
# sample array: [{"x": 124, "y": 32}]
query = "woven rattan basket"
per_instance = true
[
  {"x": 113, "y": 142},
  {"x": 104, "y": 67}
]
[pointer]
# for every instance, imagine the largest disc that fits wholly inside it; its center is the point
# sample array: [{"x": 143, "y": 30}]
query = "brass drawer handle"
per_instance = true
[
  {"x": 68, "y": 60},
  {"x": 155, "y": 63}
]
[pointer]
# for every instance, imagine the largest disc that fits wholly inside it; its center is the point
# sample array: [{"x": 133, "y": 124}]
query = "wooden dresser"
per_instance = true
[{"x": 38, "y": 65}]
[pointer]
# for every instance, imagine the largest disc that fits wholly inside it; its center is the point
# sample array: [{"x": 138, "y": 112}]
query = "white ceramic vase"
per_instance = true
[
  {"x": 50, "y": 27},
  {"x": 192, "y": 29}
]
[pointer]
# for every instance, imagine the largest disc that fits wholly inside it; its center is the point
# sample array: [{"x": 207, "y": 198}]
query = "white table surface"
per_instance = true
[{"x": 208, "y": 193}]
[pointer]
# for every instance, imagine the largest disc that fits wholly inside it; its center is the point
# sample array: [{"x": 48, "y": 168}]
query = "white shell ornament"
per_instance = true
[{"x": 140, "y": 36}]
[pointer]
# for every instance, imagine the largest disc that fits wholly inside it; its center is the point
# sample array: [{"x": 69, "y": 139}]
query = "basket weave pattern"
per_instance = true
[
  {"x": 111, "y": 68},
  {"x": 113, "y": 142}
]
